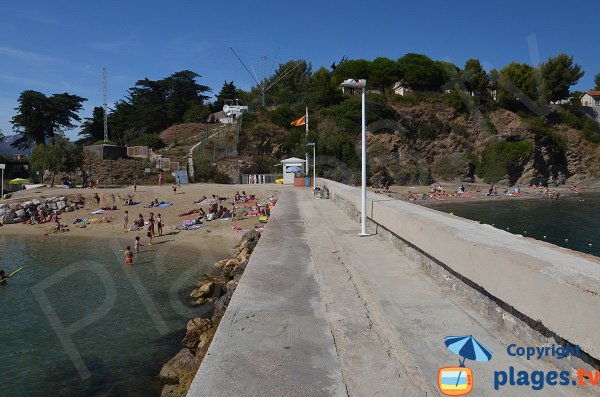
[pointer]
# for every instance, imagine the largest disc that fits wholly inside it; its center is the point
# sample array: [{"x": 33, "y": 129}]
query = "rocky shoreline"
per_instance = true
[
  {"x": 215, "y": 289},
  {"x": 22, "y": 211}
]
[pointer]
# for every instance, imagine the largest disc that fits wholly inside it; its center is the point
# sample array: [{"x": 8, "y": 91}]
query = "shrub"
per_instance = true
[
  {"x": 153, "y": 141},
  {"x": 450, "y": 166},
  {"x": 432, "y": 128},
  {"x": 590, "y": 132},
  {"x": 503, "y": 158}
]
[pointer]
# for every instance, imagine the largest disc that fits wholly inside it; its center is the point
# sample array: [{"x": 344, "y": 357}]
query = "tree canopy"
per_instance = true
[
  {"x": 476, "y": 79},
  {"x": 422, "y": 73},
  {"x": 597, "y": 81},
  {"x": 559, "y": 73},
  {"x": 40, "y": 117},
  {"x": 93, "y": 127}
]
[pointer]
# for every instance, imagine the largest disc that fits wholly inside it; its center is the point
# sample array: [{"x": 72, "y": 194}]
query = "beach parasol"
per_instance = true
[
  {"x": 468, "y": 348},
  {"x": 18, "y": 181}
]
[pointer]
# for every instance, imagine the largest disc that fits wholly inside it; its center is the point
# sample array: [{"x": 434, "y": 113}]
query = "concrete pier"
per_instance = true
[{"x": 321, "y": 311}]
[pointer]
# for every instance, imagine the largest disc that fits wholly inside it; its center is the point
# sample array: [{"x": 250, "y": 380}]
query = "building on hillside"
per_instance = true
[
  {"x": 228, "y": 115},
  {"x": 591, "y": 98},
  {"x": 356, "y": 91},
  {"x": 401, "y": 88}
]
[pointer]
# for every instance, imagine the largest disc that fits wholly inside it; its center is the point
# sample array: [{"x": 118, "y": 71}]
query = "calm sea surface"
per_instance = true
[
  {"x": 567, "y": 222},
  {"x": 75, "y": 307}
]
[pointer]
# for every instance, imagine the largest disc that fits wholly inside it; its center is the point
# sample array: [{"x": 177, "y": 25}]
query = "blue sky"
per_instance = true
[{"x": 61, "y": 46}]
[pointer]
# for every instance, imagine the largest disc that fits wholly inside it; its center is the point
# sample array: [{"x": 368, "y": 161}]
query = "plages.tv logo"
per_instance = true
[{"x": 458, "y": 381}]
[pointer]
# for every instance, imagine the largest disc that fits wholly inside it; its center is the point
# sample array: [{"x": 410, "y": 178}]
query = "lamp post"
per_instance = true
[
  {"x": 362, "y": 84},
  {"x": 2, "y": 166},
  {"x": 314, "y": 164}
]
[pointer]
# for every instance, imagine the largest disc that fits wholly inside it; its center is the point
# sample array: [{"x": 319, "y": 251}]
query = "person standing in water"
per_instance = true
[
  {"x": 128, "y": 256},
  {"x": 126, "y": 220},
  {"x": 137, "y": 245}
]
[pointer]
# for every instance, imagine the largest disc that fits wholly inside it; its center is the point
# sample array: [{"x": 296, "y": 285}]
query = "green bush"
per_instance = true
[
  {"x": 348, "y": 114},
  {"x": 590, "y": 131},
  {"x": 282, "y": 116},
  {"x": 503, "y": 158},
  {"x": 153, "y": 141},
  {"x": 546, "y": 136},
  {"x": 450, "y": 166},
  {"x": 432, "y": 128}
]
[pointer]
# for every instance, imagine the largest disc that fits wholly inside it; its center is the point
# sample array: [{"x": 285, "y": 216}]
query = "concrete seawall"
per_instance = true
[{"x": 554, "y": 289}]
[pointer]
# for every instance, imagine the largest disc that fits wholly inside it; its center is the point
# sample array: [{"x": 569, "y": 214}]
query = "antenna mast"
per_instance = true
[{"x": 104, "y": 105}]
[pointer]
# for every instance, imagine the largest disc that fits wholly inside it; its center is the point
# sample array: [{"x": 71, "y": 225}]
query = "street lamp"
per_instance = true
[
  {"x": 314, "y": 164},
  {"x": 362, "y": 84}
]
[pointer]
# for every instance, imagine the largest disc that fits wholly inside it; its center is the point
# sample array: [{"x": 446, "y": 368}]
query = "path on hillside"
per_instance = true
[{"x": 321, "y": 311}]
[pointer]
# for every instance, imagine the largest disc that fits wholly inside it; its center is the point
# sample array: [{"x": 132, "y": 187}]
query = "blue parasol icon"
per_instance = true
[{"x": 468, "y": 348}]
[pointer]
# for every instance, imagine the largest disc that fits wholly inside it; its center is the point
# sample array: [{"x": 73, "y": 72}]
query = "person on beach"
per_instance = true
[
  {"x": 175, "y": 189},
  {"x": 137, "y": 244},
  {"x": 151, "y": 223},
  {"x": 149, "y": 234},
  {"x": 160, "y": 179},
  {"x": 134, "y": 184},
  {"x": 126, "y": 220},
  {"x": 3, "y": 277},
  {"x": 128, "y": 256},
  {"x": 178, "y": 181},
  {"x": 159, "y": 224}
]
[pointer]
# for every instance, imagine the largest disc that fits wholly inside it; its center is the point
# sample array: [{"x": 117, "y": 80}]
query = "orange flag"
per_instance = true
[{"x": 299, "y": 122}]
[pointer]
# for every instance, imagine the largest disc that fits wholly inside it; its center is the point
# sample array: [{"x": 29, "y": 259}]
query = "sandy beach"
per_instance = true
[
  {"x": 110, "y": 224},
  {"x": 400, "y": 192}
]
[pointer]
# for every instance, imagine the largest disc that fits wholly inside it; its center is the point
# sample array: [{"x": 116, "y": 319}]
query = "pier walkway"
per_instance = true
[{"x": 321, "y": 311}]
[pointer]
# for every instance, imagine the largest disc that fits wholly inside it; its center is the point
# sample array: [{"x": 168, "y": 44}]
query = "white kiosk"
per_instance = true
[{"x": 292, "y": 166}]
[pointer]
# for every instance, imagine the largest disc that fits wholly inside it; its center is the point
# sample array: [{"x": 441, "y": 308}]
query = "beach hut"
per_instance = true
[{"x": 292, "y": 167}]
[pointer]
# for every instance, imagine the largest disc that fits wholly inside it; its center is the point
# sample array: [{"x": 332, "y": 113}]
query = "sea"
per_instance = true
[
  {"x": 76, "y": 321},
  {"x": 572, "y": 221}
]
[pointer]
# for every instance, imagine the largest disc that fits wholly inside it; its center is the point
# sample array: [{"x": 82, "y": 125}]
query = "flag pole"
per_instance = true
[{"x": 306, "y": 168}]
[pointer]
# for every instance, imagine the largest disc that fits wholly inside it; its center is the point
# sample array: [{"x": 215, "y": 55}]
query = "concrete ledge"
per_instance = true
[
  {"x": 274, "y": 339},
  {"x": 552, "y": 286}
]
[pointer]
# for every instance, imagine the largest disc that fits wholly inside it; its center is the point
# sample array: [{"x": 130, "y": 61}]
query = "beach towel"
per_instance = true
[
  {"x": 97, "y": 212},
  {"x": 164, "y": 204}
]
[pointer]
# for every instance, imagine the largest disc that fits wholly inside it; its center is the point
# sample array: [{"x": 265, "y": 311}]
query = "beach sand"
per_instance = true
[
  {"x": 111, "y": 224},
  {"x": 399, "y": 192}
]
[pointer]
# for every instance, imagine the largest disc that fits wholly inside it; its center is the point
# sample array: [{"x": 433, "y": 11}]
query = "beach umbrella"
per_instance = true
[
  {"x": 18, "y": 181},
  {"x": 468, "y": 348}
]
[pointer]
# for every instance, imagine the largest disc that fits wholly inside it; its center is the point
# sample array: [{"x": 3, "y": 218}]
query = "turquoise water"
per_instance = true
[
  {"x": 567, "y": 222},
  {"x": 123, "y": 348}
]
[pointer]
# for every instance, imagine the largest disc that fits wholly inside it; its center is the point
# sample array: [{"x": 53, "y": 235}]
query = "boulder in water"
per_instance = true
[{"x": 182, "y": 365}]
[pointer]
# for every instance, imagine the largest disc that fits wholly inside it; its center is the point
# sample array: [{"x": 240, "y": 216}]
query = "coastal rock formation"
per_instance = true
[
  {"x": 177, "y": 374},
  {"x": 22, "y": 211},
  {"x": 184, "y": 364}
]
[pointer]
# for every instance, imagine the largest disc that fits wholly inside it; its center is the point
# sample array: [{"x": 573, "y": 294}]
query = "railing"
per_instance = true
[{"x": 258, "y": 179}]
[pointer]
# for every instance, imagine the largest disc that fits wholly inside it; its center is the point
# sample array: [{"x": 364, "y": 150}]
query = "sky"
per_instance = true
[{"x": 61, "y": 46}]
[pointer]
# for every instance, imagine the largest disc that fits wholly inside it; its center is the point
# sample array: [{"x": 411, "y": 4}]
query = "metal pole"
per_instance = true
[
  {"x": 306, "y": 168},
  {"x": 314, "y": 166},
  {"x": 363, "y": 204},
  {"x": 2, "y": 194}
]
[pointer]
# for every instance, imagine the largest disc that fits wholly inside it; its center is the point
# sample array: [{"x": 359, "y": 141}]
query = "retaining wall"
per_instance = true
[{"x": 555, "y": 290}]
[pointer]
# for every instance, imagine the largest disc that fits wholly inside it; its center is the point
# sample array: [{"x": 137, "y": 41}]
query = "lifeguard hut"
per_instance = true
[{"x": 292, "y": 167}]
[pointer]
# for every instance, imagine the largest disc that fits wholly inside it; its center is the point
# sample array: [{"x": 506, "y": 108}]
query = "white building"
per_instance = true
[
  {"x": 291, "y": 167},
  {"x": 401, "y": 88},
  {"x": 591, "y": 98}
]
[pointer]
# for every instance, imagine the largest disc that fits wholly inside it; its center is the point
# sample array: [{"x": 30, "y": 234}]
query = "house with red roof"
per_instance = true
[{"x": 591, "y": 98}]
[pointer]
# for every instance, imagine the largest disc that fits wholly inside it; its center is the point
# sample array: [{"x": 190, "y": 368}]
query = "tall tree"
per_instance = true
[
  {"x": 515, "y": 81},
  {"x": 228, "y": 93},
  {"x": 421, "y": 73},
  {"x": 352, "y": 69},
  {"x": 61, "y": 156},
  {"x": 597, "y": 81},
  {"x": 476, "y": 79},
  {"x": 383, "y": 73},
  {"x": 289, "y": 83},
  {"x": 93, "y": 127},
  {"x": 40, "y": 117},
  {"x": 323, "y": 91},
  {"x": 559, "y": 73}
]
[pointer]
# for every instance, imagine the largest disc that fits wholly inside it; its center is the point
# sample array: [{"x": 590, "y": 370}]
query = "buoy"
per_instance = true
[
  {"x": 452, "y": 213},
  {"x": 508, "y": 228},
  {"x": 567, "y": 240},
  {"x": 590, "y": 244},
  {"x": 525, "y": 232},
  {"x": 544, "y": 236}
]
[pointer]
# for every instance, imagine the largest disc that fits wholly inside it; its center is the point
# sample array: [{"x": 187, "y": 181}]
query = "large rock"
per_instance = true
[
  {"x": 36, "y": 202},
  {"x": 20, "y": 213},
  {"x": 182, "y": 365},
  {"x": 205, "y": 290},
  {"x": 61, "y": 205},
  {"x": 52, "y": 206},
  {"x": 197, "y": 335},
  {"x": 7, "y": 217}
]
